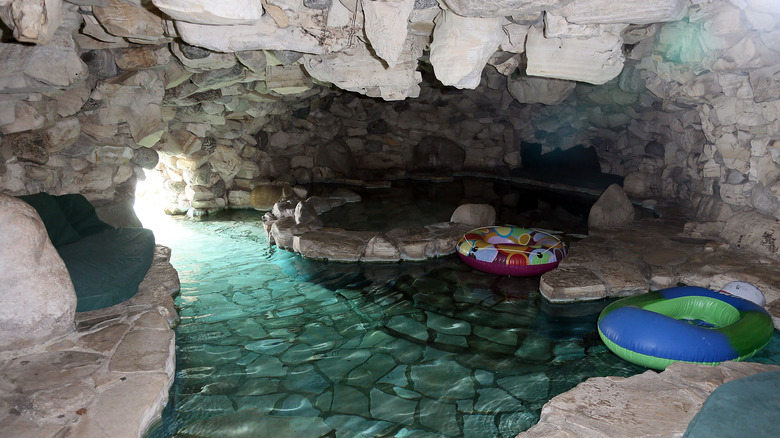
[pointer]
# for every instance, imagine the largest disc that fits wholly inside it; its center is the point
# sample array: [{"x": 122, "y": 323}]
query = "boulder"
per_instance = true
[
  {"x": 529, "y": 89},
  {"x": 35, "y": 68},
  {"x": 381, "y": 249},
  {"x": 385, "y": 26},
  {"x": 476, "y": 215},
  {"x": 306, "y": 214},
  {"x": 612, "y": 209},
  {"x": 336, "y": 156},
  {"x": 39, "y": 302},
  {"x": 461, "y": 47},
  {"x": 332, "y": 244},
  {"x": 358, "y": 69},
  {"x": 647, "y": 404},
  {"x": 593, "y": 60},
  {"x": 438, "y": 153},
  {"x": 33, "y": 21},
  {"x": 130, "y": 21}
]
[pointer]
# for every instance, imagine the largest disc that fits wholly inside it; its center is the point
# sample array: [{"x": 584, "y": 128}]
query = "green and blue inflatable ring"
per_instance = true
[{"x": 684, "y": 324}]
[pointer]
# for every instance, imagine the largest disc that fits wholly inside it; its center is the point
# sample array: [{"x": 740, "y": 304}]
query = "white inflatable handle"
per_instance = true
[{"x": 745, "y": 291}]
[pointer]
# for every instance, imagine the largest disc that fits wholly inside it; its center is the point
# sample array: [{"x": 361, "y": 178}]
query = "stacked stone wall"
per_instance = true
[{"x": 109, "y": 90}]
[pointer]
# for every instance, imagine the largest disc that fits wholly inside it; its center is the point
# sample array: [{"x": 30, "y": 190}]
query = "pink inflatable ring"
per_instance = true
[{"x": 510, "y": 250}]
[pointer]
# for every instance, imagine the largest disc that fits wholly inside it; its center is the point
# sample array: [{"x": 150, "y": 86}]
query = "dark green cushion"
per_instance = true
[
  {"x": 81, "y": 214},
  {"x": 57, "y": 225},
  {"x": 107, "y": 267},
  {"x": 746, "y": 407}
]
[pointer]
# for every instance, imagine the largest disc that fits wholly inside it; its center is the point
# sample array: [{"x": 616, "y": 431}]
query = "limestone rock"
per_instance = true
[
  {"x": 592, "y": 60},
  {"x": 647, "y": 404},
  {"x": 130, "y": 21},
  {"x": 306, "y": 34},
  {"x": 143, "y": 57},
  {"x": 501, "y": 8},
  {"x": 179, "y": 143},
  {"x": 225, "y": 161},
  {"x": 33, "y": 21},
  {"x": 381, "y": 249},
  {"x": 612, "y": 209},
  {"x": 306, "y": 214},
  {"x": 30, "y": 68},
  {"x": 568, "y": 284},
  {"x": 475, "y": 215},
  {"x": 62, "y": 135},
  {"x": 385, "y": 27},
  {"x": 239, "y": 199},
  {"x": 632, "y": 11},
  {"x": 39, "y": 302},
  {"x": 27, "y": 147},
  {"x": 332, "y": 244},
  {"x": 434, "y": 153},
  {"x": 357, "y": 69},
  {"x": 336, "y": 156},
  {"x": 287, "y": 79},
  {"x": 462, "y": 46},
  {"x": 529, "y": 89},
  {"x": 29, "y": 116},
  {"x": 196, "y": 59},
  {"x": 210, "y": 12},
  {"x": 754, "y": 231}
]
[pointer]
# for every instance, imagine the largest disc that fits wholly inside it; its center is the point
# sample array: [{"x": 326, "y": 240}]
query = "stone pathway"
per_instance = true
[
  {"x": 644, "y": 405},
  {"x": 109, "y": 378},
  {"x": 655, "y": 253}
]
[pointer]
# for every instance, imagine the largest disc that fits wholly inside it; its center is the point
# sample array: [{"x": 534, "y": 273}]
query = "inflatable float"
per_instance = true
[
  {"x": 506, "y": 250},
  {"x": 685, "y": 324}
]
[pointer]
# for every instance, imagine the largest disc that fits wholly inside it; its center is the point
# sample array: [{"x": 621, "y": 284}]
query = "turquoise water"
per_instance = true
[{"x": 272, "y": 345}]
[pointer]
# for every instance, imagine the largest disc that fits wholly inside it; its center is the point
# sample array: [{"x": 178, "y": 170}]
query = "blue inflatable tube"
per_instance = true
[{"x": 688, "y": 324}]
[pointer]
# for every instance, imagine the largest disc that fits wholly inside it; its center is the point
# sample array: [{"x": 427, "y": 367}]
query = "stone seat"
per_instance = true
[{"x": 106, "y": 264}]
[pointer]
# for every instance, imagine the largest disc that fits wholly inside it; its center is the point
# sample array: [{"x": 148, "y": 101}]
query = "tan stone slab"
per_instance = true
[
  {"x": 623, "y": 279},
  {"x": 125, "y": 409},
  {"x": 50, "y": 369},
  {"x": 324, "y": 244},
  {"x": 567, "y": 284},
  {"x": 103, "y": 340},
  {"x": 143, "y": 350},
  {"x": 648, "y": 404}
]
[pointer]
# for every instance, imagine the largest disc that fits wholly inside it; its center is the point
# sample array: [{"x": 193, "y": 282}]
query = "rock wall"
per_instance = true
[{"x": 680, "y": 97}]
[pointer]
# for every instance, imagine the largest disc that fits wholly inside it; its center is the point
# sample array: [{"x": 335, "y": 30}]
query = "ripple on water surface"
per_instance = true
[{"x": 272, "y": 345}]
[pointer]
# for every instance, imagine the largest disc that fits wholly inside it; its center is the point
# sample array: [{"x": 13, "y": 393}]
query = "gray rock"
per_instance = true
[
  {"x": 612, "y": 209},
  {"x": 336, "y": 156},
  {"x": 306, "y": 214},
  {"x": 476, "y": 215},
  {"x": 765, "y": 200},
  {"x": 146, "y": 158},
  {"x": 438, "y": 153},
  {"x": 647, "y": 404},
  {"x": 39, "y": 302}
]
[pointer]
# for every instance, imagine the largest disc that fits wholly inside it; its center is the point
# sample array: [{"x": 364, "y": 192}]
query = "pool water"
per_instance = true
[{"x": 273, "y": 345}]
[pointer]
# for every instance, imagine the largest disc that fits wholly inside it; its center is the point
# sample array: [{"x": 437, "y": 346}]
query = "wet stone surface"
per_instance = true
[{"x": 108, "y": 378}]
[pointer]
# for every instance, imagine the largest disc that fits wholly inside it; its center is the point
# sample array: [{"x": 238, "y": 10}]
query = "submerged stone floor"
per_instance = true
[{"x": 108, "y": 379}]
